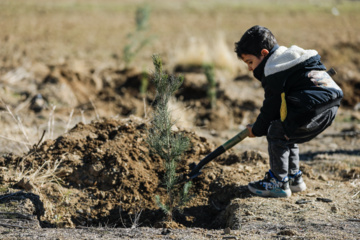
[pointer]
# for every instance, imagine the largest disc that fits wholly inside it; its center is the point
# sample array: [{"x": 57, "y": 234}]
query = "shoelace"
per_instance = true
[{"x": 271, "y": 184}]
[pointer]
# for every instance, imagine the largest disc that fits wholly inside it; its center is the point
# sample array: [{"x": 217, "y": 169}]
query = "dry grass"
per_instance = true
[
  {"x": 19, "y": 134},
  {"x": 198, "y": 51},
  {"x": 46, "y": 173},
  {"x": 39, "y": 180}
]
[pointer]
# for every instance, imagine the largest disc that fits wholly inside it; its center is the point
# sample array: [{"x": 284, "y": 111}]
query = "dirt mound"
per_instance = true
[{"x": 105, "y": 167}]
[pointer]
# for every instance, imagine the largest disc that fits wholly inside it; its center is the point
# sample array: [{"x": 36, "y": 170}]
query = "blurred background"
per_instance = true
[{"x": 97, "y": 31}]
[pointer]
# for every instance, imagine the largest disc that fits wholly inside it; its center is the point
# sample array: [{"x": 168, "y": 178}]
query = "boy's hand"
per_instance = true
[{"x": 249, "y": 127}]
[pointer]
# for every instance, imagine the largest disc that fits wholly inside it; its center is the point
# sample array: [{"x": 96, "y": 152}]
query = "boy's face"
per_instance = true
[{"x": 251, "y": 60}]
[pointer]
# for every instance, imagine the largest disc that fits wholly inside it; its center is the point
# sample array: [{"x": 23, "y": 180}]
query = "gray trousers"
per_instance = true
[{"x": 283, "y": 153}]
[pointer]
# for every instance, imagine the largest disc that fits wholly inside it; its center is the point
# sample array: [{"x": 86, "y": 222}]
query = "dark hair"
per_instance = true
[{"x": 254, "y": 40}]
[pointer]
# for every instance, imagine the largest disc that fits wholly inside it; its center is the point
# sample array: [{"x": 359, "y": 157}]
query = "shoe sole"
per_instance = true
[
  {"x": 272, "y": 193},
  {"x": 298, "y": 188}
]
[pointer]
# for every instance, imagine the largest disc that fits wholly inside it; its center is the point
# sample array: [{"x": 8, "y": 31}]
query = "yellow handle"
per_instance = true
[{"x": 283, "y": 108}]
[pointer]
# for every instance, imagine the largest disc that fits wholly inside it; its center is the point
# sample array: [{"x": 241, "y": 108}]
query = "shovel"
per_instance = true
[{"x": 195, "y": 169}]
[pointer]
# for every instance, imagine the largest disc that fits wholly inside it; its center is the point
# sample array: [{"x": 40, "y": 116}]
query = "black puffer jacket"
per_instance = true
[{"x": 308, "y": 89}]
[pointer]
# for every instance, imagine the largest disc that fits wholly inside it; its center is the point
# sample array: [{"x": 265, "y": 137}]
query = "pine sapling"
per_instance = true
[{"x": 169, "y": 145}]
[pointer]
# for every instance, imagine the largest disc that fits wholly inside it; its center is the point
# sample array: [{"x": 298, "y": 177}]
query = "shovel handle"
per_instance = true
[
  {"x": 218, "y": 151},
  {"x": 235, "y": 140}
]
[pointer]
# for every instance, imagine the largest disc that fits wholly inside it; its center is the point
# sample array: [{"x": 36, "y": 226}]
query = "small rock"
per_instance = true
[
  {"x": 93, "y": 135},
  {"x": 165, "y": 231},
  {"x": 103, "y": 137},
  {"x": 109, "y": 206},
  {"x": 248, "y": 213},
  {"x": 355, "y": 115},
  {"x": 37, "y": 103},
  {"x": 334, "y": 209},
  {"x": 227, "y": 230},
  {"x": 211, "y": 176},
  {"x": 88, "y": 211},
  {"x": 174, "y": 128},
  {"x": 25, "y": 184},
  {"x": 302, "y": 201},
  {"x": 103, "y": 195},
  {"x": 287, "y": 232},
  {"x": 323, "y": 199},
  {"x": 96, "y": 168},
  {"x": 357, "y": 107},
  {"x": 3, "y": 176},
  {"x": 323, "y": 177},
  {"x": 248, "y": 169}
]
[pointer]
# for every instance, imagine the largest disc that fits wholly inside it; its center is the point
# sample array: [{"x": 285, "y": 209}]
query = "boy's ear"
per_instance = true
[{"x": 264, "y": 52}]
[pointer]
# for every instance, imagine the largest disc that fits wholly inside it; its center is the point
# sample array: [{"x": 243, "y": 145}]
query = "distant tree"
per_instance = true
[
  {"x": 144, "y": 83},
  {"x": 211, "y": 90},
  {"x": 137, "y": 40}
]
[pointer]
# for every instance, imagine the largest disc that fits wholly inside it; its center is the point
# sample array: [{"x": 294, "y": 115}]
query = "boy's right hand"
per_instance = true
[{"x": 249, "y": 127}]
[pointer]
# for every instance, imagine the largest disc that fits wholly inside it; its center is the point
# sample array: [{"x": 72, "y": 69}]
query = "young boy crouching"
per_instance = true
[{"x": 301, "y": 101}]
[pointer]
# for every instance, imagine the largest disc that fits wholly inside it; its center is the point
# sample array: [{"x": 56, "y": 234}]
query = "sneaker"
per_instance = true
[
  {"x": 270, "y": 187},
  {"x": 297, "y": 183}
]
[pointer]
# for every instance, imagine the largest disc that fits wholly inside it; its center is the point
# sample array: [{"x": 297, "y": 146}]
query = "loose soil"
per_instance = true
[{"x": 92, "y": 175}]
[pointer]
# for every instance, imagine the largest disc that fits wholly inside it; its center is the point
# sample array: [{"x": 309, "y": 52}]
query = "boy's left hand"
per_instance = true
[{"x": 249, "y": 127}]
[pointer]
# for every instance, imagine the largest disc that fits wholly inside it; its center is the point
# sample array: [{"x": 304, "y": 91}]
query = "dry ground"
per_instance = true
[{"x": 91, "y": 175}]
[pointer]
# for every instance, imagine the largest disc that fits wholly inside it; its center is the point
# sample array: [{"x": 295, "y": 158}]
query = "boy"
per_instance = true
[{"x": 301, "y": 101}]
